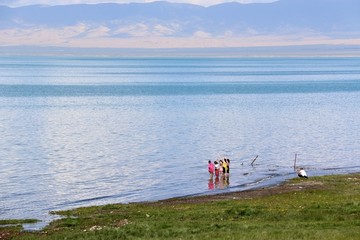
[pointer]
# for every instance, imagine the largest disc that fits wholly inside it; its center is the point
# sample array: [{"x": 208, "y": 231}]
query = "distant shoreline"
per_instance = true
[{"x": 232, "y": 52}]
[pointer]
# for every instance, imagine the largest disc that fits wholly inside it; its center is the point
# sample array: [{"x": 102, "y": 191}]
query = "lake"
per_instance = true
[{"x": 80, "y": 131}]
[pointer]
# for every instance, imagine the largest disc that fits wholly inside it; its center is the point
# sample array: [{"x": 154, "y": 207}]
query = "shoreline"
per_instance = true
[
  {"x": 269, "y": 189},
  {"x": 258, "y": 191},
  {"x": 330, "y": 185},
  {"x": 284, "y": 187}
]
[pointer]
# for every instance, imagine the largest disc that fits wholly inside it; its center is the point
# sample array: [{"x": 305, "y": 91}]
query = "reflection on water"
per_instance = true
[{"x": 219, "y": 182}]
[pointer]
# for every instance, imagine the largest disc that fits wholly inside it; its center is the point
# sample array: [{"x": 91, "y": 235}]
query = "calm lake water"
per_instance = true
[{"x": 87, "y": 131}]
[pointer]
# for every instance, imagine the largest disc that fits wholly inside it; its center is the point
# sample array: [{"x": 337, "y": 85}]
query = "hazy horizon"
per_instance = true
[
  {"x": 22, "y": 3},
  {"x": 239, "y": 52}
]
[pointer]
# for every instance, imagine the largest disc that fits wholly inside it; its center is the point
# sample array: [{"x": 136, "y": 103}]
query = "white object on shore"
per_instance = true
[{"x": 301, "y": 173}]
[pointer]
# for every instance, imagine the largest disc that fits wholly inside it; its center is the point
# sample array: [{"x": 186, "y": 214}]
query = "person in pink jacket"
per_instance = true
[{"x": 211, "y": 169}]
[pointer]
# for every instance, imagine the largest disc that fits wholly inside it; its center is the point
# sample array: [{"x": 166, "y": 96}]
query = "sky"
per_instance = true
[{"x": 18, "y": 3}]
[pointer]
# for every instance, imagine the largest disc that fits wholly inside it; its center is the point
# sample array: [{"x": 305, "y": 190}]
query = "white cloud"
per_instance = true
[
  {"x": 18, "y": 3},
  {"x": 202, "y": 34},
  {"x": 162, "y": 30},
  {"x": 101, "y": 31},
  {"x": 143, "y": 29},
  {"x": 135, "y": 30}
]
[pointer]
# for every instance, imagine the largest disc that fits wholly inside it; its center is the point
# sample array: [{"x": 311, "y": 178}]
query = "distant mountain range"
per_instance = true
[{"x": 325, "y": 19}]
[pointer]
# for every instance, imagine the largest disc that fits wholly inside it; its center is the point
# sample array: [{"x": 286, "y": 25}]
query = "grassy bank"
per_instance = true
[{"x": 316, "y": 208}]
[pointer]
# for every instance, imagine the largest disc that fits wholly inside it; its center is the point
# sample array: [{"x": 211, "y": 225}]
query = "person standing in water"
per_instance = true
[
  {"x": 225, "y": 167},
  {"x": 228, "y": 165},
  {"x": 217, "y": 168},
  {"x": 211, "y": 169}
]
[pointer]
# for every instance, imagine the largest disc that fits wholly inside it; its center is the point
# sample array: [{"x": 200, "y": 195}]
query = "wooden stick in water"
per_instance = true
[
  {"x": 295, "y": 162},
  {"x": 254, "y": 160}
]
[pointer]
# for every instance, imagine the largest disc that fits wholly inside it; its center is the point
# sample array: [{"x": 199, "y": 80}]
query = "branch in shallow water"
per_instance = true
[{"x": 252, "y": 163}]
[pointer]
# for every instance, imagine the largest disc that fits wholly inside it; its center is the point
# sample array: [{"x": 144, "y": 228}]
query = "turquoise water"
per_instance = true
[{"x": 85, "y": 131}]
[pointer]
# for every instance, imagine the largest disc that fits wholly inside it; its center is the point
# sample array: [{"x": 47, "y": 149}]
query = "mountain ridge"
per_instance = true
[{"x": 337, "y": 19}]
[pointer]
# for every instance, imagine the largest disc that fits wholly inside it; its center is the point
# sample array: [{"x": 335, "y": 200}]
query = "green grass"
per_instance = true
[
  {"x": 331, "y": 211},
  {"x": 13, "y": 227},
  {"x": 17, "y": 221}
]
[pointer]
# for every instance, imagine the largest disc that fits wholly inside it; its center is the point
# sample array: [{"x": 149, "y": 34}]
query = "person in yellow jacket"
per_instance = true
[{"x": 224, "y": 167}]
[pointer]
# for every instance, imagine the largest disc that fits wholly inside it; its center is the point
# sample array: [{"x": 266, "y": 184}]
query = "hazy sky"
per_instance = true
[{"x": 17, "y": 3}]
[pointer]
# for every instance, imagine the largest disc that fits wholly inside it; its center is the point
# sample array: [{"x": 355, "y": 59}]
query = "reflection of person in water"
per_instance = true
[
  {"x": 217, "y": 181},
  {"x": 222, "y": 182},
  {"x": 226, "y": 181},
  {"x": 211, "y": 184}
]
